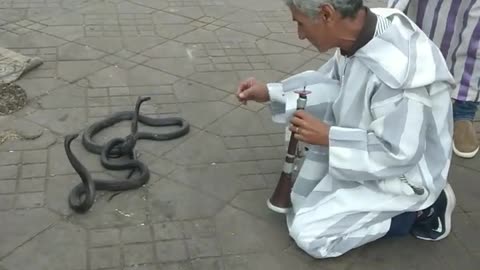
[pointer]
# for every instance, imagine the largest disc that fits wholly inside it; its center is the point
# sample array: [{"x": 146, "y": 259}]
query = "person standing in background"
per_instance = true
[{"x": 454, "y": 26}]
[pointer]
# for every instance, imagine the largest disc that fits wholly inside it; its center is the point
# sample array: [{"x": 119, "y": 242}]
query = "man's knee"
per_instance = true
[
  {"x": 320, "y": 243},
  {"x": 320, "y": 248},
  {"x": 315, "y": 245}
]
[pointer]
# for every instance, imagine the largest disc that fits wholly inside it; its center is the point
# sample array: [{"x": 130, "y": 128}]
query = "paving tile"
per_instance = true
[
  {"x": 200, "y": 114},
  {"x": 30, "y": 200},
  {"x": 252, "y": 182},
  {"x": 9, "y": 158},
  {"x": 7, "y": 201},
  {"x": 263, "y": 261},
  {"x": 7, "y": 186},
  {"x": 168, "y": 231},
  {"x": 415, "y": 254},
  {"x": 464, "y": 228},
  {"x": 31, "y": 40},
  {"x": 31, "y": 185},
  {"x": 69, "y": 33},
  {"x": 472, "y": 163},
  {"x": 260, "y": 140},
  {"x": 167, "y": 49},
  {"x": 44, "y": 139},
  {"x": 191, "y": 152},
  {"x": 50, "y": 245},
  {"x": 217, "y": 180},
  {"x": 240, "y": 232},
  {"x": 270, "y": 166},
  {"x": 255, "y": 202},
  {"x": 40, "y": 86},
  {"x": 175, "y": 266},
  {"x": 66, "y": 97},
  {"x": 104, "y": 237},
  {"x": 161, "y": 167},
  {"x": 207, "y": 264},
  {"x": 34, "y": 170},
  {"x": 8, "y": 172},
  {"x": 62, "y": 121},
  {"x": 200, "y": 228},
  {"x": 34, "y": 156},
  {"x": 141, "y": 267},
  {"x": 73, "y": 51},
  {"x": 225, "y": 80},
  {"x": 228, "y": 125},
  {"x": 203, "y": 247},
  {"x": 466, "y": 187},
  {"x": 135, "y": 254},
  {"x": 287, "y": 63},
  {"x": 172, "y": 201},
  {"x": 452, "y": 254},
  {"x": 198, "y": 36},
  {"x": 74, "y": 70},
  {"x": 125, "y": 209},
  {"x": 138, "y": 76},
  {"x": 242, "y": 154},
  {"x": 254, "y": 28},
  {"x": 189, "y": 91},
  {"x": 104, "y": 257},
  {"x": 235, "y": 142},
  {"x": 173, "y": 250},
  {"x": 136, "y": 234}
]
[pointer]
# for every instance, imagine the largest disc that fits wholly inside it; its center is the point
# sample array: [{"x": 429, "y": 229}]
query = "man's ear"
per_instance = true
[{"x": 327, "y": 13}]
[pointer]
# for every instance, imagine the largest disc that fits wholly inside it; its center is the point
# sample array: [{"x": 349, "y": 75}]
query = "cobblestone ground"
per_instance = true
[{"x": 204, "y": 207}]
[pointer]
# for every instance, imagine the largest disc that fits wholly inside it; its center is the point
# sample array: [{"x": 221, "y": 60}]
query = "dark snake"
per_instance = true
[{"x": 82, "y": 196}]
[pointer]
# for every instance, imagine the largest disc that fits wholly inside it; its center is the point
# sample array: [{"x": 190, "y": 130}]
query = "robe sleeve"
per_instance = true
[
  {"x": 393, "y": 143},
  {"x": 322, "y": 83}
]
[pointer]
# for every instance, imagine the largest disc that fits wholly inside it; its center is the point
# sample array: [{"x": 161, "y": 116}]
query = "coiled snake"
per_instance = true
[{"x": 82, "y": 196}]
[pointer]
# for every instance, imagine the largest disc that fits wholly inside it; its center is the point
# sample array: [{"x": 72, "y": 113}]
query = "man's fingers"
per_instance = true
[
  {"x": 297, "y": 122},
  {"x": 304, "y": 135},
  {"x": 298, "y": 129},
  {"x": 299, "y": 137},
  {"x": 301, "y": 114},
  {"x": 292, "y": 128},
  {"x": 246, "y": 94},
  {"x": 242, "y": 87},
  {"x": 246, "y": 84}
]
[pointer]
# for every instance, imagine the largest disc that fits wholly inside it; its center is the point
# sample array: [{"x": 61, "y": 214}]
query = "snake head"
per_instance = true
[
  {"x": 70, "y": 137},
  {"x": 140, "y": 100}
]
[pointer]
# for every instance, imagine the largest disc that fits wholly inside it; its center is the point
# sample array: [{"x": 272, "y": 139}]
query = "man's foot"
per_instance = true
[
  {"x": 435, "y": 223},
  {"x": 465, "y": 142}
]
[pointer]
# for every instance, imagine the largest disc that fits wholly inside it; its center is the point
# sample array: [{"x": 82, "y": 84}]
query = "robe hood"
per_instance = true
[{"x": 403, "y": 56}]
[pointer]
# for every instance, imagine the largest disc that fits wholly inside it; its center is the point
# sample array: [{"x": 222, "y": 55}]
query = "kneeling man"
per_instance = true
[{"x": 378, "y": 126}]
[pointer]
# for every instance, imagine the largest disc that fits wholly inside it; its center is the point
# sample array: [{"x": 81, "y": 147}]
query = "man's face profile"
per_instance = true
[{"x": 316, "y": 30}]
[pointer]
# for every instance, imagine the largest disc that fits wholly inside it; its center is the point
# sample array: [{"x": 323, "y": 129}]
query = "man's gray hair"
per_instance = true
[{"x": 347, "y": 8}]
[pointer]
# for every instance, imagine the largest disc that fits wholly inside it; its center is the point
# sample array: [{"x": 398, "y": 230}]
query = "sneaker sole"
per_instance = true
[
  {"x": 277, "y": 209},
  {"x": 451, "y": 202},
  {"x": 463, "y": 154}
]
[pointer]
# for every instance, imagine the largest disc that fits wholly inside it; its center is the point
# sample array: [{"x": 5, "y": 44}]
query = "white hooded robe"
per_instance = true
[{"x": 390, "y": 113}]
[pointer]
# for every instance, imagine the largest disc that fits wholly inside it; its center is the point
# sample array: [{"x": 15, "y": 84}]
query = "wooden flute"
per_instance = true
[{"x": 280, "y": 200}]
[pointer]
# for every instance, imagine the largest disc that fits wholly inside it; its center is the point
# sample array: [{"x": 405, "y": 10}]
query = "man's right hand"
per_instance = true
[{"x": 251, "y": 89}]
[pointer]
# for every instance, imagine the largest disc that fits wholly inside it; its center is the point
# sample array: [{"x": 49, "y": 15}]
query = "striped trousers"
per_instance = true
[{"x": 454, "y": 26}]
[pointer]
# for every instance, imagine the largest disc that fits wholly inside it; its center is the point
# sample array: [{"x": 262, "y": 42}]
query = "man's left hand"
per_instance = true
[{"x": 309, "y": 129}]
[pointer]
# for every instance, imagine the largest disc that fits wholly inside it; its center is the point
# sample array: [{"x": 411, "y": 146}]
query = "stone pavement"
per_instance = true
[{"x": 204, "y": 207}]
